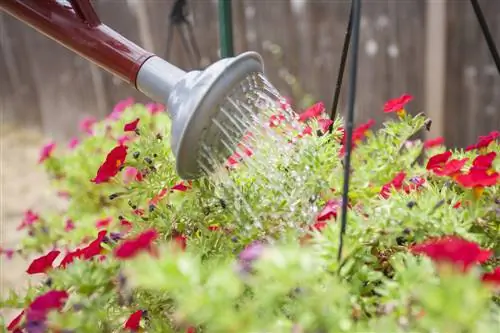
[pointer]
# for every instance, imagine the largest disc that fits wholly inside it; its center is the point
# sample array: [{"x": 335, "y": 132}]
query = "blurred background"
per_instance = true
[{"x": 431, "y": 49}]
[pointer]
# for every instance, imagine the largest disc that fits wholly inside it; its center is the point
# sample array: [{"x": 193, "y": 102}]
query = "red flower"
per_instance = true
[
  {"x": 397, "y": 104},
  {"x": 454, "y": 250},
  {"x": 73, "y": 143},
  {"x": 396, "y": 182},
  {"x": 452, "y": 168},
  {"x": 155, "y": 108},
  {"x": 329, "y": 211},
  {"x": 126, "y": 225},
  {"x": 181, "y": 241},
  {"x": 478, "y": 179},
  {"x": 29, "y": 218},
  {"x": 307, "y": 131},
  {"x": 41, "y": 306},
  {"x": 43, "y": 263},
  {"x": 312, "y": 112},
  {"x": 433, "y": 142},
  {"x": 325, "y": 124},
  {"x": 133, "y": 321},
  {"x": 438, "y": 161},
  {"x": 191, "y": 329},
  {"x": 130, "y": 248},
  {"x": 157, "y": 198},
  {"x": 130, "y": 127},
  {"x": 70, "y": 257},
  {"x": 114, "y": 161},
  {"x": 484, "y": 162},
  {"x": 484, "y": 141},
  {"x": 358, "y": 134},
  {"x": 492, "y": 277},
  {"x": 457, "y": 205},
  {"x": 103, "y": 223},
  {"x": 275, "y": 120},
  {"x": 213, "y": 227},
  {"x": 415, "y": 184},
  {"x": 87, "y": 124},
  {"x": 94, "y": 248},
  {"x": 14, "y": 324},
  {"x": 180, "y": 187},
  {"x": 138, "y": 211},
  {"x": 46, "y": 151}
]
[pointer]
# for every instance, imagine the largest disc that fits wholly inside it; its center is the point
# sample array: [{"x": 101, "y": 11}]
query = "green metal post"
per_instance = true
[{"x": 225, "y": 29}]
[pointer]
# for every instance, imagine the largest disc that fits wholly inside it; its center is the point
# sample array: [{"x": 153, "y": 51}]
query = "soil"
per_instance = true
[{"x": 23, "y": 186}]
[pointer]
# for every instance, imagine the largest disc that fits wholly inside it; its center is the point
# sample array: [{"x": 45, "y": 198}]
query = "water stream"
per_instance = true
[{"x": 255, "y": 129}]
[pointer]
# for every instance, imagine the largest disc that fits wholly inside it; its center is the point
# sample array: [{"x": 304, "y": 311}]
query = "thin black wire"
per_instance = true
[
  {"x": 356, "y": 19},
  {"x": 486, "y": 33},
  {"x": 340, "y": 75}
]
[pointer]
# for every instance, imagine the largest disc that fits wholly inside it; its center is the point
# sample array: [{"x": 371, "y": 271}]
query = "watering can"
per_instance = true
[{"x": 192, "y": 98}]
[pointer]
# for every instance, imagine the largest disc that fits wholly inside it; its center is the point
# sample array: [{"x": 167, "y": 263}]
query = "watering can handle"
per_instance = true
[
  {"x": 76, "y": 25},
  {"x": 86, "y": 11}
]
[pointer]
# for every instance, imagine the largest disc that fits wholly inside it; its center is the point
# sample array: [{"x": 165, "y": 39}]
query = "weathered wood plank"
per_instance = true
[{"x": 472, "y": 83}]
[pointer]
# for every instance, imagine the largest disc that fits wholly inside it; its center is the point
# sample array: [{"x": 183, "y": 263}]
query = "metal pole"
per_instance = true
[
  {"x": 225, "y": 29},
  {"x": 356, "y": 18},
  {"x": 340, "y": 75},
  {"x": 486, "y": 33}
]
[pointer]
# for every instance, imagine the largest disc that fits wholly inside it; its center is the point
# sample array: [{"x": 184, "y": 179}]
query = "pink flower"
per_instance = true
[
  {"x": 325, "y": 124},
  {"x": 155, "y": 108},
  {"x": 41, "y": 306},
  {"x": 120, "y": 107},
  {"x": 73, "y": 143},
  {"x": 29, "y": 218},
  {"x": 131, "y": 174},
  {"x": 69, "y": 225},
  {"x": 122, "y": 140},
  {"x": 46, "y": 151},
  {"x": 87, "y": 124}
]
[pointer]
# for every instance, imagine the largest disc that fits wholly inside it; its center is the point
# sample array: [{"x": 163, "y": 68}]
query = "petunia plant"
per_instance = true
[{"x": 252, "y": 247}]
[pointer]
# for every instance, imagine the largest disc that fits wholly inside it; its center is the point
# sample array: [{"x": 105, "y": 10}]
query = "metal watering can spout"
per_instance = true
[{"x": 192, "y": 98}]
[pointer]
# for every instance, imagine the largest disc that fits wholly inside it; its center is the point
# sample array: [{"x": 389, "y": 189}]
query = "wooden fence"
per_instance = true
[{"x": 432, "y": 49}]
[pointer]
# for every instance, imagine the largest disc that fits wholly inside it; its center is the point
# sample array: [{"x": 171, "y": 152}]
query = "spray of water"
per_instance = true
[{"x": 256, "y": 128}]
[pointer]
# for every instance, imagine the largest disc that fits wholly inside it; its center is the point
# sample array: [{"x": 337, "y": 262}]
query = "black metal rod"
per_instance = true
[
  {"x": 340, "y": 74},
  {"x": 486, "y": 33},
  {"x": 356, "y": 19}
]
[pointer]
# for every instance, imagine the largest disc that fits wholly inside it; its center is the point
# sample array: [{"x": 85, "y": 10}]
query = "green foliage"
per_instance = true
[{"x": 295, "y": 283}]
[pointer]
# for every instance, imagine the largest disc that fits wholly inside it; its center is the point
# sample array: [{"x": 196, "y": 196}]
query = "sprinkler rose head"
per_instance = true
[{"x": 195, "y": 101}]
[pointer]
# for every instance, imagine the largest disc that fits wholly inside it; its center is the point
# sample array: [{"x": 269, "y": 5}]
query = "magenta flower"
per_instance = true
[
  {"x": 46, "y": 151},
  {"x": 87, "y": 124}
]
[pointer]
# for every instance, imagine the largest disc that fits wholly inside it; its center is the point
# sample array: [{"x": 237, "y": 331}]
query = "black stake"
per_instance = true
[
  {"x": 340, "y": 75},
  {"x": 486, "y": 33},
  {"x": 356, "y": 18}
]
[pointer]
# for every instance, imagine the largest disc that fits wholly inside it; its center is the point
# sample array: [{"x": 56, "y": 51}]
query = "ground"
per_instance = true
[{"x": 23, "y": 186}]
